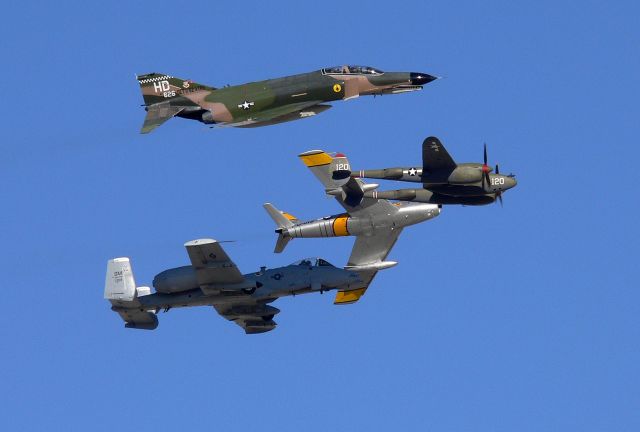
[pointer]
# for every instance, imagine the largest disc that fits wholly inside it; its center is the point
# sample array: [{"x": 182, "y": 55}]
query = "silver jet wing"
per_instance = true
[
  {"x": 369, "y": 251},
  {"x": 367, "y": 258},
  {"x": 214, "y": 269}
]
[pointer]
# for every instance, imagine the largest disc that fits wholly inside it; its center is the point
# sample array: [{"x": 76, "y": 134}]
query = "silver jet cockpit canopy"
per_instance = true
[
  {"x": 312, "y": 262},
  {"x": 352, "y": 70}
]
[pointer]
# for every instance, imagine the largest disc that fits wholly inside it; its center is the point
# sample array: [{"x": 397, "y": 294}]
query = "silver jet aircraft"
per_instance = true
[
  {"x": 376, "y": 223},
  {"x": 213, "y": 279}
]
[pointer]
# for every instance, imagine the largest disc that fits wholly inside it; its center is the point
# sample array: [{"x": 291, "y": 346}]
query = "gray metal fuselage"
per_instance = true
[
  {"x": 407, "y": 214},
  {"x": 178, "y": 287}
]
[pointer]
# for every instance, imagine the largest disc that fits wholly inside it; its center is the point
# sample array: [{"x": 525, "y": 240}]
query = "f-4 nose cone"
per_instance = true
[{"x": 419, "y": 78}]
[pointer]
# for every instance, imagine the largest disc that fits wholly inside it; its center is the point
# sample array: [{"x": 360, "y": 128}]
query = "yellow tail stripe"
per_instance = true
[{"x": 316, "y": 159}]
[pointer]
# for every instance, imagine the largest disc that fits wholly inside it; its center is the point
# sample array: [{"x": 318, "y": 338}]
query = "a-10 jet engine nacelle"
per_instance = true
[{"x": 184, "y": 278}]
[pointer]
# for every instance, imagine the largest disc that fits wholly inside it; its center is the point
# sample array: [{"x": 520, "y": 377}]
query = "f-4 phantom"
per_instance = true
[
  {"x": 376, "y": 223},
  {"x": 267, "y": 102},
  {"x": 443, "y": 180},
  {"x": 213, "y": 279}
]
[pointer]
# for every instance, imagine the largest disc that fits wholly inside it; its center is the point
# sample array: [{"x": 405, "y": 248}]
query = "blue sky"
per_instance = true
[{"x": 496, "y": 319}]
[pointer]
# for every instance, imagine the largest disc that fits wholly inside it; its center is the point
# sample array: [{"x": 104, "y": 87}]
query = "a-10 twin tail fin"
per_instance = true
[
  {"x": 282, "y": 220},
  {"x": 120, "y": 289}
]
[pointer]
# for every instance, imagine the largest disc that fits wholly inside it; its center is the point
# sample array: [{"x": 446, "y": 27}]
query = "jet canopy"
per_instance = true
[
  {"x": 352, "y": 70},
  {"x": 312, "y": 262}
]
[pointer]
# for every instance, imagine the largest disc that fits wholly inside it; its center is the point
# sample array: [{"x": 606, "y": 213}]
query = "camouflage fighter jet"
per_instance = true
[
  {"x": 443, "y": 180},
  {"x": 268, "y": 102},
  {"x": 376, "y": 223},
  {"x": 213, "y": 279}
]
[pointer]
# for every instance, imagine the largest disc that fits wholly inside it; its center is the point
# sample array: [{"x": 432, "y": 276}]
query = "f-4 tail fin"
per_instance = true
[
  {"x": 156, "y": 87},
  {"x": 165, "y": 97},
  {"x": 282, "y": 220}
]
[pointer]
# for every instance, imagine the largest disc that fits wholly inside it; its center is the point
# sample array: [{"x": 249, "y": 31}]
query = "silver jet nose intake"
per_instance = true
[{"x": 420, "y": 78}]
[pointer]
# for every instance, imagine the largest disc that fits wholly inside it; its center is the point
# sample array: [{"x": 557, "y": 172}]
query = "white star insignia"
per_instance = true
[
  {"x": 435, "y": 147},
  {"x": 246, "y": 105},
  {"x": 413, "y": 171}
]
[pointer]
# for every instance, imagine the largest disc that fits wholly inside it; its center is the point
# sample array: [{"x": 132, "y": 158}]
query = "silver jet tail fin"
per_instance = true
[
  {"x": 282, "y": 220},
  {"x": 281, "y": 243}
]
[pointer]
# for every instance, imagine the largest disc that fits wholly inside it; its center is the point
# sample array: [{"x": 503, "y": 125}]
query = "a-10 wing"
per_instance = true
[
  {"x": 212, "y": 264},
  {"x": 214, "y": 268}
]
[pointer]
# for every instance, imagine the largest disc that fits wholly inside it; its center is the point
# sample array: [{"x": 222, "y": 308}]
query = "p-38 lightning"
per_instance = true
[
  {"x": 213, "y": 279},
  {"x": 268, "y": 102},
  {"x": 376, "y": 223},
  {"x": 443, "y": 180}
]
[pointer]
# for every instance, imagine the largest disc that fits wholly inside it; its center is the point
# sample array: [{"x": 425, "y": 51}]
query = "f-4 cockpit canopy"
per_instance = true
[
  {"x": 352, "y": 70},
  {"x": 312, "y": 262}
]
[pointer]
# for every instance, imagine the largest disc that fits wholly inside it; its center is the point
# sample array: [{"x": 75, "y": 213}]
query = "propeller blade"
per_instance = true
[
  {"x": 486, "y": 179},
  {"x": 497, "y": 169},
  {"x": 485, "y": 153},
  {"x": 499, "y": 194}
]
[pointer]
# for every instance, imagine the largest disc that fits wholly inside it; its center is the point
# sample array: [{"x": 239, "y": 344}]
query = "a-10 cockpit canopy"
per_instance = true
[
  {"x": 312, "y": 262},
  {"x": 352, "y": 70}
]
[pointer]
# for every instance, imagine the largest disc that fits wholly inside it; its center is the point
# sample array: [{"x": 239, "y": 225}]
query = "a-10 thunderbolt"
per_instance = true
[
  {"x": 376, "y": 223},
  {"x": 213, "y": 279},
  {"x": 268, "y": 102},
  {"x": 443, "y": 180}
]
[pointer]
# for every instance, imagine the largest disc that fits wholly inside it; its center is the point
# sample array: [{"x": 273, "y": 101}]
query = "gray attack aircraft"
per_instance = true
[
  {"x": 376, "y": 223},
  {"x": 443, "y": 180},
  {"x": 213, "y": 279},
  {"x": 268, "y": 102}
]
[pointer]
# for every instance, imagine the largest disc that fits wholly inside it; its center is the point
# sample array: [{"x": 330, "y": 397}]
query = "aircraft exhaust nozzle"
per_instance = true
[{"x": 380, "y": 265}]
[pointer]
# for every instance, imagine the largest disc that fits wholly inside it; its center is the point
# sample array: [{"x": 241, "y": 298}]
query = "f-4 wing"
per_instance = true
[{"x": 285, "y": 113}]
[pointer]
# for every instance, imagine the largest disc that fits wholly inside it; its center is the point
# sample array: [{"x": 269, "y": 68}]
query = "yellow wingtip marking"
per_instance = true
[
  {"x": 347, "y": 297},
  {"x": 316, "y": 159}
]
